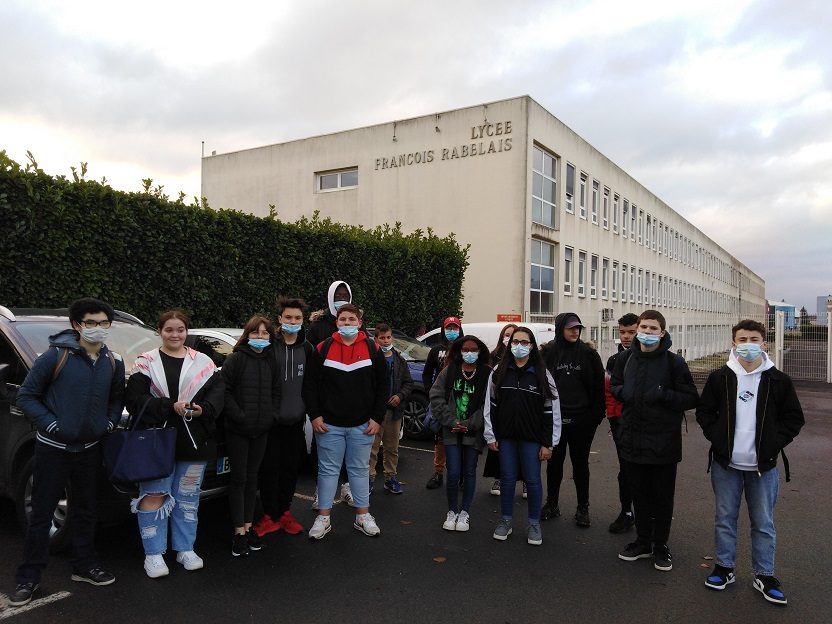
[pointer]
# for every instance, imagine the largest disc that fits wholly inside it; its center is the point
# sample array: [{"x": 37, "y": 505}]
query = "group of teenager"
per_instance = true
[
  {"x": 529, "y": 403},
  {"x": 524, "y": 403}
]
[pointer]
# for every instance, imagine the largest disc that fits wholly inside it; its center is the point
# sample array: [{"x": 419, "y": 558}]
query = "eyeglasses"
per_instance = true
[
  {"x": 525, "y": 343},
  {"x": 90, "y": 324}
]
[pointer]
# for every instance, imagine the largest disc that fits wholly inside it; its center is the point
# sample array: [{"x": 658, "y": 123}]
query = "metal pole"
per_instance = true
[
  {"x": 829, "y": 341},
  {"x": 779, "y": 338}
]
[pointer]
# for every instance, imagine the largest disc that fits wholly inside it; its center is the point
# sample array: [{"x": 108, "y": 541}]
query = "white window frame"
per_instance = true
[
  {"x": 615, "y": 205},
  {"x": 614, "y": 285},
  {"x": 568, "y": 256},
  {"x": 605, "y": 209},
  {"x": 548, "y": 267},
  {"x": 570, "y": 197},
  {"x": 594, "y": 207},
  {"x": 581, "y": 273},
  {"x": 320, "y": 175},
  {"x": 605, "y": 278},
  {"x": 633, "y": 284},
  {"x": 582, "y": 197},
  {"x": 633, "y": 220},
  {"x": 544, "y": 203},
  {"x": 593, "y": 276},
  {"x": 625, "y": 216}
]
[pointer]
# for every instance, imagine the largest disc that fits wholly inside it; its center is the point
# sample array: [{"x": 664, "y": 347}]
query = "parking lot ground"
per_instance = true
[{"x": 416, "y": 572}]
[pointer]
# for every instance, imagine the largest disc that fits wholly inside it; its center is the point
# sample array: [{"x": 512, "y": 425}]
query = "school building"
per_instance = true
[{"x": 553, "y": 224}]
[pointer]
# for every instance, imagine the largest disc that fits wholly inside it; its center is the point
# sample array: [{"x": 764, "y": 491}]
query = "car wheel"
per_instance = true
[
  {"x": 414, "y": 418},
  {"x": 59, "y": 532}
]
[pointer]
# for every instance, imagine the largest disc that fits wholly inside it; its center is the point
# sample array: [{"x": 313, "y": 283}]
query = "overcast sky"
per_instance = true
[{"x": 722, "y": 109}]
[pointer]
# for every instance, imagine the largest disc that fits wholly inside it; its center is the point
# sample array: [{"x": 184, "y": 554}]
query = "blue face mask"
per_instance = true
[
  {"x": 337, "y": 304},
  {"x": 470, "y": 357},
  {"x": 648, "y": 340},
  {"x": 520, "y": 352},
  {"x": 258, "y": 343},
  {"x": 290, "y": 329},
  {"x": 451, "y": 334},
  {"x": 387, "y": 348},
  {"x": 748, "y": 351},
  {"x": 348, "y": 331}
]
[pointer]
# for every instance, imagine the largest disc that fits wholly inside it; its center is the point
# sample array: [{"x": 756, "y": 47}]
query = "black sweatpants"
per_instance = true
[
  {"x": 279, "y": 471},
  {"x": 654, "y": 488},
  {"x": 578, "y": 437},
  {"x": 624, "y": 495}
]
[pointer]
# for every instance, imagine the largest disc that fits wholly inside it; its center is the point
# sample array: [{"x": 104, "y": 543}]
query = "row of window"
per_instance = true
[
  {"x": 607, "y": 209},
  {"x": 614, "y": 280}
]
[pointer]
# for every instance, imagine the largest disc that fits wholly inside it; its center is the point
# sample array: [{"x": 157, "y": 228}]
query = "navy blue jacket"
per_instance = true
[{"x": 84, "y": 402}]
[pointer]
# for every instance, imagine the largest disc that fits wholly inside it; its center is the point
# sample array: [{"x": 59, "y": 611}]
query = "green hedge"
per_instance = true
[{"x": 64, "y": 238}]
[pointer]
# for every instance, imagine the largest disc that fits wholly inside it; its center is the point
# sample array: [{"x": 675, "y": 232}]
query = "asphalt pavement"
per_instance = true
[{"x": 416, "y": 572}]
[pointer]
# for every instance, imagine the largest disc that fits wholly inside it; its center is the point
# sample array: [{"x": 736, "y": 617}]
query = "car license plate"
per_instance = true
[{"x": 223, "y": 465}]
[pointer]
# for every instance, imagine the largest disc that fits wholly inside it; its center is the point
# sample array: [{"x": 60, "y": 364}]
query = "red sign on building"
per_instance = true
[{"x": 509, "y": 318}]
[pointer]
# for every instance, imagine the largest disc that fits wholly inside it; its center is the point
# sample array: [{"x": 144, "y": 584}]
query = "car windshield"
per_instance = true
[
  {"x": 411, "y": 349},
  {"x": 129, "y": 341}
]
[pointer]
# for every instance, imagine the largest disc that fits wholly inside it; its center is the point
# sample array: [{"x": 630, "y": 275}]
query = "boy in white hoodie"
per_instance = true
[{"x": 749, "y": 411}]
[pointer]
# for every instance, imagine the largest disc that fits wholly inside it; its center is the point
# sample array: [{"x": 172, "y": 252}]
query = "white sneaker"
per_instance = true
[
  {"x": 321, "y": 527},
  {"x": 315, "y": 505},
  {"x": 366, "y": 524},
  {"x": 189, "y": 560},
  {"x": 155, "y": 566},
  {"x": 450, "y": 522},
  {"x": 463, "y": 521},
  {"x": 346, "y": 494}
]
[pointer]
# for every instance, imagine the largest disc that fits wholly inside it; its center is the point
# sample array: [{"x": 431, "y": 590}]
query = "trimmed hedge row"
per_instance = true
[{"x": 62, "y": 239}]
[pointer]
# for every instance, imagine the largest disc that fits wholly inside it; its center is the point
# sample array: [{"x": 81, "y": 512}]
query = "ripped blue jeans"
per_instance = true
[{"x": 179, "y": 509}]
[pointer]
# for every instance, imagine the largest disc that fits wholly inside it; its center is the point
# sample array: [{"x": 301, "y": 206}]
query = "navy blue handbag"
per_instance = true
[{"x": 134, "y": 455}]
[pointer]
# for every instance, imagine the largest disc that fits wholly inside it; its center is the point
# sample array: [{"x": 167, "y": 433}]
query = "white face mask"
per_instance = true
[
  {"x": 506, "y": 339},
  {"x": 95, "y": 335}
]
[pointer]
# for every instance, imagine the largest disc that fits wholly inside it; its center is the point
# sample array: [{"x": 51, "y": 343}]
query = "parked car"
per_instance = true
[
  {"x": 489, "y": 333},
  {"x": 218, "y": 342},
  {"x": 24, "y": 335}
]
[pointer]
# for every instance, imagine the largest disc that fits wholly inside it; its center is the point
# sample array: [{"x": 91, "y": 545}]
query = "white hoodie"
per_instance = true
[{"x": 744, "y": 453}]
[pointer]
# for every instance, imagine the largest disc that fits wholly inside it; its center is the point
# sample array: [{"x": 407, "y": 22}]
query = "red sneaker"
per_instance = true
[
  {"x": 289, "y": 524},
  {"x": 265, "y": 526}
]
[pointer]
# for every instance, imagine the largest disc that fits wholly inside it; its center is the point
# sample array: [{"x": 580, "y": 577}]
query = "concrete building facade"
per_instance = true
[{"x": 552, "y": 223}]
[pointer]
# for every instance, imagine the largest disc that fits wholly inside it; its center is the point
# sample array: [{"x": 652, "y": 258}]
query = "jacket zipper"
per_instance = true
[{"x": 762, "y": 425}]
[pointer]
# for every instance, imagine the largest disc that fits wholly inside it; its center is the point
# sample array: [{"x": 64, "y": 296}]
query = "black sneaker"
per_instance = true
[
  {"x": 94, "y": 576},
  {"x": 239, "y": 545},
  {"x": 768, "y": 586},
  {"x": 636, "y": 550},
  {"x": 549, "y": 510},
  {"x": 435, "y": 481},
  {"x": 720, "y": 578},
  {"x": 623, "y": 523},
  {"x": 582, "y": 516},
  {"x": 662, "y": 560},
  {"x": 253, "y": 540},
  {"x": 23, "y": 594}
]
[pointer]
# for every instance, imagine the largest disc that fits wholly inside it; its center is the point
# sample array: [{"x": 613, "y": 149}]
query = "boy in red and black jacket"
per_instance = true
[{"x": 627, "y": 326}]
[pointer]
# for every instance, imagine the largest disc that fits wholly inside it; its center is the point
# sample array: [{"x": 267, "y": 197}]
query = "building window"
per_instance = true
[
  {"x": 653, "y": 244},
  {"x": 326, "y": 181},
  {"x": 605, "y": 277},
  {"x": 570, "y": 188},
  {"x": 633, "y": 284},
  {"x": 640, "y": 286},
  {"x": 615, "y": 199},
  {"x": 615, "y": 280},
  {"x": 593, "y": 276},
  {"x": 633, "y": 212},
  {"x": 640, "y": 225},
  {"x": 625, "y": 214},
  {"x": 544, "y": 187},
  {"x": 581, "y": 273},
  {"x": 582, "y": 198},
  {"x": 595, "y": 202},
  {"x": 647, "y": 233},
  {"x": 623, "y": 283},
  {"x": 542, "y": 281},
  {"x": 605, "y": 210},
  {"x": 567, "y": 270}
]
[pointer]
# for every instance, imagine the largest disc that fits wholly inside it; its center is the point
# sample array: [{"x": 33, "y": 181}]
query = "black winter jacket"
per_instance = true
[
  {"x": 656, "y": 388},
  {"x": 579, "y": 375},
  {"x": 402, "y": 383},
  {"x": 252, "y": 391},
  {"x": 779, "y": 416}
]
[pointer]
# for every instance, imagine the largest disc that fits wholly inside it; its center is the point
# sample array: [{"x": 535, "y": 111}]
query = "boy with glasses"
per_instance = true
[{"x": 73, "y": 396}]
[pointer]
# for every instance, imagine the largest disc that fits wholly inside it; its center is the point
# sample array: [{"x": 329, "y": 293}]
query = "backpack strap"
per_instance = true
[
  {"x": 62, "y": 358},
  {"x": 325, "y": 348}
]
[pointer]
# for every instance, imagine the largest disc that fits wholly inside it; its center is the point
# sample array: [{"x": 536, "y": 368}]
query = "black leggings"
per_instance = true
[
  {"x": 245, "y": 455},
  {"x": 654, "y": 488},
  {"x": 578, "y": 437}
]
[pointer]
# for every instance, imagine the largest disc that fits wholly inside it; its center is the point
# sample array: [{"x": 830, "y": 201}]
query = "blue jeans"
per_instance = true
[
  {"x": 181, "y": 507},
  {"x": 344, "y": 445},
  {"x": 461, "y": 461},
  {"x": 512, "y": 452},
  {"x": 760, "y": 496}
]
